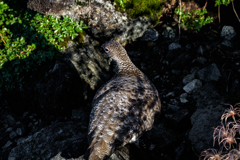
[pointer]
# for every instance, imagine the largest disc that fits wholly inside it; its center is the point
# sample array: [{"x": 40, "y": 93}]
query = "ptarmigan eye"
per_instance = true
[{"x": 106, "y": 49}]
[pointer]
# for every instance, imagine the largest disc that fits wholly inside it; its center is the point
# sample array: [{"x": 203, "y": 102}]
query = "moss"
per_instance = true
[
  {"x": 81, "y": 3},
  {"x": 64, "y": 42},
  {"x": 80, "y": 39},
  {"x": 149, "y": 8}
]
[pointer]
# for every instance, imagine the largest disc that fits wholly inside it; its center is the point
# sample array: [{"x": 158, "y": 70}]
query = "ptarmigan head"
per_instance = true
[{"x": 115, "y": 51}]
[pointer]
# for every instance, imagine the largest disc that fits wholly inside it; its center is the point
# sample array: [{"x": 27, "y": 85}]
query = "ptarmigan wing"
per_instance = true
[{"x": 122, "y": 110}]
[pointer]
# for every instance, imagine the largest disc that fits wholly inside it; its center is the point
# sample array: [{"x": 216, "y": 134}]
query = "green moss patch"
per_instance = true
[{"x": 135, "y": 8}]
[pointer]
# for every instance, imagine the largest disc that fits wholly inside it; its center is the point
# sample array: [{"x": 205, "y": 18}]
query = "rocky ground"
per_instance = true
[{"x": 195, "y": 73}]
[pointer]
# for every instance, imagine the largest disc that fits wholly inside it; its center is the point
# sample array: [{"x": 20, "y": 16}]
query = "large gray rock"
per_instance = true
[
  {"x": 69, "y": 138},
  {"x": 102, "y": 17},
  {"x": 203, "y": 121},
  {"x": 90, "y": 63},
  {"x": 206, "y": 95},
  {"x": 209, "y": 73}
]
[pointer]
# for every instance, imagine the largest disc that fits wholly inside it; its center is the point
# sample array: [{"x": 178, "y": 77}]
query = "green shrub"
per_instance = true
[
  {"x": 27, "y": 39},
  {"x": 193, "y": 20},
  {"x": 224, "y": 2}
]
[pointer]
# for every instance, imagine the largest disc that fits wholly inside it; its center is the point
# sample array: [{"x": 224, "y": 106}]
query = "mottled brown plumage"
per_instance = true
[{"x": 123, "y": 108}]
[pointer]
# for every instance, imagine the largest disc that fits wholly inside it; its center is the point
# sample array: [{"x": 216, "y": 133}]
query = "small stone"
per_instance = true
[
  {"x": 143, "y": 66},
  {"x": 9, "y": 143},
  {"x": 200, "y": 50},
  {"x": 227, "y": 43},
  {"x": 209, "y": 73},
  {"x": 170, "y": 94},
  {"x": 183, "y": 98},
  {"x": 9, "y": 129},
  {"x": 20, "y": 131},
  {"x": 25, "y": 114},
  {"x": 173, "y": 108},
  {"x": 176, "y": 72},
  {"x": 188, "y": 46},
  {"x": 188, "y": 78},
  {"x": 156, "y": 77},
  {"x": 152, "y": 146},
  {"x": 201, "y": 60},
  {"x": 174, "y": 46},
  {"x": 77, "y": 114},
  {"x": 168, "y": 33},
  {"x": 150, "y": 35},
  {"x": 10, "y": 120},
  {"x": 228, "y": 32},
  {"x": 12, "y": 135},
  {"x": 196, "y": 83}
]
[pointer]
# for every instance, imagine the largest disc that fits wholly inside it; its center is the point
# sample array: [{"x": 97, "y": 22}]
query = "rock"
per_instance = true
[
  {"x": 209, "y": 73},
  {"x": 201, "y": 60},
  {"x": 12, "y": 135},
  {"x": 10, "y": 120},
  {"x": 206, "y": 95},
  {"x": 188, "y": 46},
  {"x": 183, "y": 98},
  {"x": 188, "y": 78},
  {"x": 168, "y": 33},
  {"x": 203, "y": 121},
  {"x": 170, "y": 94},
  {"x": 180, "y": 61},
  {"x": 150, "y": 35},
  {"x": 77, "y": 114},
  {"x": 194, "y": 84},
  {"x": 174, "y": 46},
  {"x": 178, "y": 119},
  {"x": 173, "y": 108},
  {"x": 227, "y": 43},
  {"x": 62, "y": 85},
  {"x": 70, "y": 138},
  {"x": 104, "y": 21},
  {"x": 176, "y": 72},
  {"x": 228, "y": 32},
  {"x": 162, "y": 136},
  {"x": 8, "y": 144},
  {"x": 20, "y": 131},
  {"x": 9, "y": 129},
  {"x": 201, "y": 50}
]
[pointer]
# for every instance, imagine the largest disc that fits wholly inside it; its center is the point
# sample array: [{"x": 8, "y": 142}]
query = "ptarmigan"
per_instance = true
[{"x": 123, "y": 109}]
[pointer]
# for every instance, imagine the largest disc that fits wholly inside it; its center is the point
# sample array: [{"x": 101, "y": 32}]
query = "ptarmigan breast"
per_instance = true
[{"x": 123, "y": 109}]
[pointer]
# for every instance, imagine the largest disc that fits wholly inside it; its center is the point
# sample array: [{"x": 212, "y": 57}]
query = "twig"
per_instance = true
[
  {"x": 219, "y": 14},
  {"x": 179, "y": 28},
  {"x": 235, "y": 11},
  {"x": 3, "y": 40},
  {"x": 205, "y": 6}
]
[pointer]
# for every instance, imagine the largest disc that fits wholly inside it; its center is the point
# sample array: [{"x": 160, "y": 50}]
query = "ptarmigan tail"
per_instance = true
[{"x": 98, "y": 151}]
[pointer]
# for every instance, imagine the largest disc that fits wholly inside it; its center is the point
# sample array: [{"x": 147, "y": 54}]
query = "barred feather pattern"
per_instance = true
[{"x": 123, "y": 109}]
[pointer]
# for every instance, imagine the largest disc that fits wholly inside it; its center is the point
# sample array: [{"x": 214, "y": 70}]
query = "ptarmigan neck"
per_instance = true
[{"x": 127, "y": 67}]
